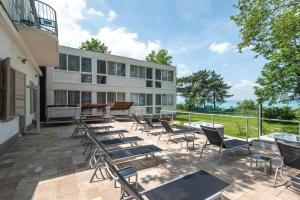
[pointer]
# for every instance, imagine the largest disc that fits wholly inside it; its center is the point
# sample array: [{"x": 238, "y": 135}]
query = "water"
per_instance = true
[{"x": 234, "y": 103}]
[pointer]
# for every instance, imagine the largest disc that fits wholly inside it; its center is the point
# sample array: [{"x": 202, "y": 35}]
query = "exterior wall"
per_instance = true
[
  {"x": 69, "y": 80},
  {"x": 12, "y": 46}
]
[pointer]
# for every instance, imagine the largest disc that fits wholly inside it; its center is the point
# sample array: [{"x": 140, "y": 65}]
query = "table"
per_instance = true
[
  {"x": 264, "y": 158},
  {"x": 197, "y": 125}
]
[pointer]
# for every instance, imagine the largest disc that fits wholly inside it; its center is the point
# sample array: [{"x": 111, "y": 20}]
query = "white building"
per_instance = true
[
  {"x": 90, "y": 77},
  {"x": 28, "y": 39}
]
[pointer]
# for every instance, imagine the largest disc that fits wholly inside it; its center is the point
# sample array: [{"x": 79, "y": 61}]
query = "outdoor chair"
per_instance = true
[
  {"x": 121, "y": 106},
  {"x": 137, "y": 122},
  {"x": 213, "y": 138},
  {"x": 290, "y": 158},
  {"x": 150, "y": 126},
  {"x": 199, "y": 185},
  {"x": 119, "y": 155},
  {"x": 80, "y": 128},
  {"x": 171, "y": 133}
]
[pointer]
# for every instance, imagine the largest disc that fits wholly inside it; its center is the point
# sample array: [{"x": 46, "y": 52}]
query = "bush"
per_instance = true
[{"x": 279, "y": 113}]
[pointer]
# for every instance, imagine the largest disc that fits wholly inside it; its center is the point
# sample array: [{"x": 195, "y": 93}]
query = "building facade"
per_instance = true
[
  {"x": 90, "y": 77},
  {"x": 24, "y": 35}
]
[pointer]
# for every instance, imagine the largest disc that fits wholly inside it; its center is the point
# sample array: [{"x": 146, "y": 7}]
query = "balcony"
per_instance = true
[{"x": 37, "y": 24}]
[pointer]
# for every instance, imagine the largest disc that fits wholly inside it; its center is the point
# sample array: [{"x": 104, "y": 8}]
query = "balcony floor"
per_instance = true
[{"x": 50, "y": 165}]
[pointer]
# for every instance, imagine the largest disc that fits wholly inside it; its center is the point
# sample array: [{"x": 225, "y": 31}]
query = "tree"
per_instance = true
[
  {"x": 272, "y": 29},
  {"x": 246, "y": 105},
  {"x": 203, "y": 87},
  {"x": 94, "y": 45},
  {"x": 161, "y": 57}
]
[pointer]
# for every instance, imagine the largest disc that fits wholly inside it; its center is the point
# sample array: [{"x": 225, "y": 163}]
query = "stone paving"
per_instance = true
[{"x": 50, "y": 165}]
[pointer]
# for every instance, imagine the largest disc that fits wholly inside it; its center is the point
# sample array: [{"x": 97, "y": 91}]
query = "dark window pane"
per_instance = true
[
  {"x": 170, "y": 76},
  {"x": 121, "y": 68},
  {"x": 149, "y": 99},
  {"x": 86, "y": 65},
  {"x": 134, "y": 98},
  {"x": 164, "y": 75},
  {"x": 141, "y": 72},
  {"x": 134, "y": 71},
  {"x": 142, "y": 99},
  {"x": 157, "y": 84},
  {"x": 62, "y": 61},
  {"x": 101, "y": 97},
  {"x": 157, "y": 74},
  {"x": 60, "y": 97},
  {"x": 164, "y": 100},
  {"x": 149, "y": 83},
  {"x": 158, "y": 99},
  {"x": 149, "y": 110},
  {"x": 111, "y": 97},
  {"x": 149, "y": 73},
  {"x": 101, "y": 66},
  {"x": 112, "y": 70},
  {"x": 86, "y": 97},
  {"x": 73, "y": 97},
  {"x": 86, "y": 78},
  {"x": 73, "y": 63},
  {"x": 157, "y": 109},
  {"x": 121, "y": 97},
  {"x": 101, "y": 79}
]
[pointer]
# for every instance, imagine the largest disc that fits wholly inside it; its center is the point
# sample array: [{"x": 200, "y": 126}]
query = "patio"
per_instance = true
[{"x": 50, "y": 165}]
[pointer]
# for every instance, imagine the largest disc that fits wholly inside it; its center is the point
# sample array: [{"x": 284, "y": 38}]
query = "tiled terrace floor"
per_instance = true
[{"x": 50, "y": 165}]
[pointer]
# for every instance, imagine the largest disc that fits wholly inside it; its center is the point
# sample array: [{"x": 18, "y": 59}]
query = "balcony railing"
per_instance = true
[{"x": 32, "y": 13}]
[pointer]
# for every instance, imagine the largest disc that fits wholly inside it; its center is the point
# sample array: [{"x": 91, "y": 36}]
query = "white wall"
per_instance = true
[{"x": 11, "y": 46}]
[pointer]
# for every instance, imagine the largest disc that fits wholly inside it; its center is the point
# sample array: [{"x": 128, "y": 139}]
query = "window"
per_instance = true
[
  {"x": 149, "y": 99},
  {"x": 149, "y": 83},
  {"x": 86, "y": 65},
  {"x": 158, "y": 99},
  {"x": 149, "y": 73},
  {"x": 142, "y": 72},
  {"x": 62, "y": 62},
  {"x": 111, "y": 97},
  {"x": 12, "y": 99},
  {"x": 170, "y": 76},
  {"x": 33, "y": 100},
  {"x": 73, "y": 97},
  {"x": 101, "y": 97},
  {"x": 142, "y": 99},
  {"x": 158, "y": 84},
  {"x": 157, "y": 74},
  {"x": 149, "y": 110},
  {"x": 134, "y": 98},
  {"x": 112, "y": 70},
  {"x": 170, "y": 100},
  {"x": 101, "y": 67},
  {"x": 164, "y": 100},
  {"x": 101, "y": 79},
  {"x": 164, "y": 75},
  {"x": 121, "y": 97},
  {"x": 86, "y": 78},
  {"x": 121, "y": 69},
  {"x": 86, "y": 97},
  {"x": 134, "y": 71},
  {"x": 73, "y": 63},
  {"x": 157, "y": 109},
  {"x": 60, "y": 97}
]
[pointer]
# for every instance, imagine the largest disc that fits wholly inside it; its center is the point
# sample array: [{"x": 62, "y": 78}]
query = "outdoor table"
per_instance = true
[
  {"x": 197, "y": 125},
  {"x": 264, "y": 158}
]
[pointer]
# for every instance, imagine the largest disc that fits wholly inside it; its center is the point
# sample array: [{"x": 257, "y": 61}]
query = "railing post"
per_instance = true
[
  {"x": 189, "y": 118},
  {"x": 247, "y": 128},
  {"x": 299, "y": 128},
  {"x": 213, "y": 121}
]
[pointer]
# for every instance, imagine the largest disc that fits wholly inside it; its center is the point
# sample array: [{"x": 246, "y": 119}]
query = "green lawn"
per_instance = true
[{"x": 237, "y": 126}]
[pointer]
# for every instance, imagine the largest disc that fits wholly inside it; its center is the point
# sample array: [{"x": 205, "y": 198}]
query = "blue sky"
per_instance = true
[{"x": 198, "y": 33}]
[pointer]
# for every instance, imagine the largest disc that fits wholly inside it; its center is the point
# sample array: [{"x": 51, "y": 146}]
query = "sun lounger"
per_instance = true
[
  {"x": 199, "y": 185},
  {"x": 215, "y": 139},
  {"x": 150, "y": 126}
]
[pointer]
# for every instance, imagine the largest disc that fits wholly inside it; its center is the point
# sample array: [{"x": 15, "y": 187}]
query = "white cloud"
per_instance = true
[
  {"x": 183, "y": 70},
  {"x": 243, "y": 90},
  {"x": 220, "y": 47},
  {"x": 94, "y": 12},
  {"x": 112, "y": 15}
]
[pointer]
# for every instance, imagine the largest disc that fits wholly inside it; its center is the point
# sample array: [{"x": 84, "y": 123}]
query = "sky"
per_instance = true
[{"x": 198, "y": 33}]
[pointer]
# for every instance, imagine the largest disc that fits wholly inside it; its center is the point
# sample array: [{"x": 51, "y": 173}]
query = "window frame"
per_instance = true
[
  {"x": 79, "y": 63},
  {"x": 99, "y": 71}
]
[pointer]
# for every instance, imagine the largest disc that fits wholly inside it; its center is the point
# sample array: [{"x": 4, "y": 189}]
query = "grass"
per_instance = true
[{"x": 237, "y": 126}]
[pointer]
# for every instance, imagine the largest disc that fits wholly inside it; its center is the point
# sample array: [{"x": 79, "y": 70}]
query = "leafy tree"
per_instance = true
[
  {"x": 272, "y": 29},
  {"x": 94, "y": 45},
  {"x": 279, "y": 113},
  {"x": 246, "y": 105},
  {"x": 161, "y": 57},
  {"x": 203, "y": 87}
]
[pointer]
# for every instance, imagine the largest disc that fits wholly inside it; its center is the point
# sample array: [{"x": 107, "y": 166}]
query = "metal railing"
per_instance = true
[
  {"x": 214, "y": 121},
  {"x": 32, "y": 13}
]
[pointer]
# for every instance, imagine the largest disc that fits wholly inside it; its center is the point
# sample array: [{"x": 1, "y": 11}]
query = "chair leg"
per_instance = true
[
  {"x": 160, "y": 135},
  {"x": 220, "y": 159},
  {"x": 204, "y": 146},
  {"x": 275, "y": 178}
]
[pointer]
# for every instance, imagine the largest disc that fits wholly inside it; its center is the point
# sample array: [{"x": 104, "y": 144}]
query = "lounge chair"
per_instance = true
[
  {"x": 80, "y": 128},
  {"x": 150, "y": 126},
  {"x": 121, "y": 106},
  {"x": 290, "y": 158},
  {"x": 199, "y": 185},
  {"x": 138, "y": 123},
  {"x": 213, "y": 138},
  {"x": 119, "y": 155},
  {"x": 185, "y": 132}
]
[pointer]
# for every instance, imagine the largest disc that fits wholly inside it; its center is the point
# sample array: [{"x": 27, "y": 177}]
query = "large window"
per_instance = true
[
  {"x": 164, "y": 100},
  {"x": 60, "y": 97},
  {"x": 86, "y": 65},
  {"x": 121, "y": 97},
  {"x": 149, "y": 83},
  {"x": 101, "y": 79},
  {"x": 149, "y": 73},
  {"x": 86, "y": 97},
  {"x": 142, "y": 99},
  {"x": 73, "y": 63},
  {"x": 62, "y": 62},
  {"x": 149, "y": 99},
  {"x": 170, "y": 100},
  {"x": 158, "y": 99},
  {"x": 157, "y": 74},
  {"x": 158, "y": 84},
  {"x": 134, "y": 97},
  {"x": 112, "y": 68},
  {"x": 101, "y": 67},
  {"x": 73, "y": 97},
  {"x": 86, "y": 78},
  {"x": 165, "y": 75},
  {"x": 111, "y": 97},
  {"x": 134, "y": 71},
  {"x": 170, "y": 76},
  {"x": 149, "y": 110},
  {"x": 121, "y": 69},
  {"x": 157, "y": 109},
  {"x": 142, "y": 72},
  {"x": 101, "y": 97}
]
